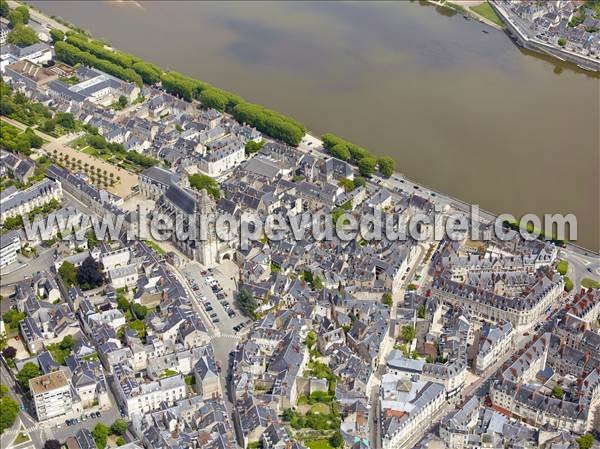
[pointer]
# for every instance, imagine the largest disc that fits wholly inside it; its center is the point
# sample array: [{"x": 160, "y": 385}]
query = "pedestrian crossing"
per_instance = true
[
  {"x": 10, "y": 435},
  {"x": 229, "y": 336}
]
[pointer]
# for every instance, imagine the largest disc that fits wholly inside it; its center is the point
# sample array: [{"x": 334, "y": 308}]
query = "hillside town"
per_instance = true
[{"x": 307, "y": 343}]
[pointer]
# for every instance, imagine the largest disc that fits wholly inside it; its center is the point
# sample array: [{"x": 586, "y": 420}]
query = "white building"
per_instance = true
[
  {"x": 141, "y": 397},
  {"x": 39, "y": 53},
  {"x": 51, "y": 395},
  {"x": 10, "y": 245},
  {"x": 115, "y": 259},
  {"x": 407, "y": 407},
  {"x": 126, "y": 276},
  {"x": 494, "y": 341},
  {"x": 219, "y": 160},
  {"x": 22, "y": 202}
]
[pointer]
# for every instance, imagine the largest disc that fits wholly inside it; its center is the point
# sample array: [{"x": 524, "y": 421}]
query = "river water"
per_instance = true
[{"x": 461, "y": 111}]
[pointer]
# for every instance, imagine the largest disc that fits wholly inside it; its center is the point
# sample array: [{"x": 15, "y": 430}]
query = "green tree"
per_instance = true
[
  {"x": 9, "y": 409},
  {"x": 13, "y": 317},
  {"x": 66, "y": 120},
  {"x": 57, "y": 35},
  {"x": 100, "y": 435},
  {"x": 22, "y": 36},
  {"x": 568, "y": 284},
  {"x": 120, "y": 441},
  {"x": 149, "y": 72},
  {"x": 119, "y": 427},
  {"x": 387, "y": 299},
  {"x": 340, "y": 151},
  {"x": 562, "y": 41},
  {"x": 199, "y": 182},
  {"x": 562, "y": 267},
  {"x": 34, "y": 140},
  {"x": 347, "y": 184},
  {"x": 52, "y": 444},
  {"x": 317, "y": 283},
  {"x": 122, "y": 102},
  {"x": 585, "y": 441},
  {"x": 422, "y": 311},
  {"x": 29, "y": 371},
  {"x": 367, "y": 165},
  {"x": 89, "y": 274},
  {"x": 336, "y": 440},
  {"x": 558, "y": 392},
  {"x": 4, "y": 9},
  {"x": 247, "y": 302},
  {"x": 359, "y": 181},
  {"x": 15, "y": 18},
  {"x": 67, "y": 343},
  {"x": 139, "y": 311},
  {"x": 24, "y": 11},
  {"x": 408, "y": 333},
  {"x": 49, "y": 126},
  {"x": 386, "y": 166},
  {"x": 270, "y": 122},
  {"x": 288, "y": 414},
  {"x": 68, "y": 273},
  {"x": 122, "y": 302},
  {"x": 311, "y": 338},
  {"x": 254, "y": 147},
  {"x": 213, "y": 99}
]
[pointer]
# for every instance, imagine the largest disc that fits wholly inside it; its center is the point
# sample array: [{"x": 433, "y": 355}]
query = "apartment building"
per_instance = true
[{"x": 51, "y": 395}]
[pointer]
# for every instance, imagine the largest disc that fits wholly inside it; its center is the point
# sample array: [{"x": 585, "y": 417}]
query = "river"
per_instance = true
[{"x": 461, "y": 111}]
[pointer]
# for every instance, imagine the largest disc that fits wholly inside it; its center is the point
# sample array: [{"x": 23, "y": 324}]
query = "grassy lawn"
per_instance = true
[
  {"x": 21, "y": 438},
  {"x": 485, "y": 10},
  {"x": 155, "y": 247},
  {"x": 590, "y": 283},
  {"x": 320, "y": 408},
  {"x": 80, "y": 143},
  {"x": 318, "y": 444}
]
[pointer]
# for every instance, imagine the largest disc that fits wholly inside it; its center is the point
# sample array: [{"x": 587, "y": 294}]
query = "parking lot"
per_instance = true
[
  {"x": 62, "y": 431},
  {"x": 215, "y": 290}
]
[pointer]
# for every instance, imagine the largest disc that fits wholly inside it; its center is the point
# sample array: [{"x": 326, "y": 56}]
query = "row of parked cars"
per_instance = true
[
  {"x": 240, "y": 326},
  {"x": 209, "y": 308},
  {"x": 220, "y": 294},
  {"x": 72, "y": 422}
]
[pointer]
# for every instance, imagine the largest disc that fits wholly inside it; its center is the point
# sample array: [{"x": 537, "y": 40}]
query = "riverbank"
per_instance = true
[{"x": 478, "y": 10}]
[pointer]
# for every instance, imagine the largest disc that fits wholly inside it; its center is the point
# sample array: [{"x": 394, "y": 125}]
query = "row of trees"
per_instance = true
[
  {"x": 350, "y": 152},
  {"x": 72, "y": 55},
  {"x": 270, "y": 122},
  {"x": 265, "y": 120}
]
